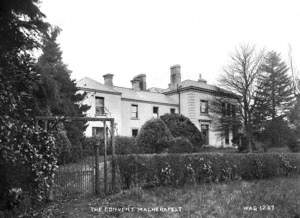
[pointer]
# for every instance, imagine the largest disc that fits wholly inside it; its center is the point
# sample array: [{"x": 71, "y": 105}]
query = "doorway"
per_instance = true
[{"x": 205, "y": 133}]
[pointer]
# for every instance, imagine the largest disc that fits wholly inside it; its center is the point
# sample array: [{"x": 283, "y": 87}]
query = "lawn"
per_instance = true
[{"x": 278, "y": 197}]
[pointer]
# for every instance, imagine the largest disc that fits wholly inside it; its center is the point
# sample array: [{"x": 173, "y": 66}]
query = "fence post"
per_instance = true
[
  {"x": 97, "y": 184},
  {"x": 113, "y": 164},
  {"x": 105, "y": 158}
]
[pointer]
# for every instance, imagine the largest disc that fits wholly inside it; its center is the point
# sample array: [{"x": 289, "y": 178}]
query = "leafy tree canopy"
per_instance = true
[{"x": 21, "y": 146}]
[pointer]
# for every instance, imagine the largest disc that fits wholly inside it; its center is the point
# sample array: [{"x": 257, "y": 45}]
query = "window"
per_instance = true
[
  {"x": 228, "y": 111},
  {"x": 134, "y": 111},
  {"x": 172, "y": 110},
  {"x": 223, "y": 109},
  {"x": 234, "y": 131},
  {"x": 204, "y": 106},
  {"x": 99, "y": 101},
  {"x": 233, "y": 110},
  {"x": 155, "y": 112},
  {"x": 97, "y": 131},
  {"x": 227, "y": 135},
  {"x": 134, "y": 132}
]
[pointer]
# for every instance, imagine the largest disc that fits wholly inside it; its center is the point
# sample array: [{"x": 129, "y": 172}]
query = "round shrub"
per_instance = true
[
  {"x": 180, "y": 145},
  {"x": 294, "y": 143},
  {"x": 154, "y": 136},
  {"x": 126, "y": 145},
  {"x": 181, "y": 126}
]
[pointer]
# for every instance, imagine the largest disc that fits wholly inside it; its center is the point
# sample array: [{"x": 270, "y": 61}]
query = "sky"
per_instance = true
[{"x": 130, "y": 37}]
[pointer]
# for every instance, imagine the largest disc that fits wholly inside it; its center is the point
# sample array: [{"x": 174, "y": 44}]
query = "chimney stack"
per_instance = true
[
  {"x": 108, "y": 79},
  {"x": 175, "y": 76},
  {"x": 139, "y": 82},
  {"x": 201, "y": 80}
]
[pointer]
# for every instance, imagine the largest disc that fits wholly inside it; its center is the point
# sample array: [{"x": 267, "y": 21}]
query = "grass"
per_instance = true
[{"x": 207, "y": 200}]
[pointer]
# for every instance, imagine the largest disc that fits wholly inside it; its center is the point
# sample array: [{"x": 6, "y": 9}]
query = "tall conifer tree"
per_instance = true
[
  {"x": 274, "y": 98},
  {"x": 275, "y": 93},
  {"x": 57, "y": 93}
]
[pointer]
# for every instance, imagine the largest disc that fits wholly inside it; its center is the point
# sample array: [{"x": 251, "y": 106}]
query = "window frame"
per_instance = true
[
  {"x": 227, "y": 135},
  {"x": 102, "y": 108},
  {"x": 94, "y": 131},
  {"x": 137, "y": 132},
  {"x": 155, "y": 114},
  {"x": 228, "y": 109},
  {"x": 201, "y": 106},
  {"x": 134, "y": 112},
  {"x": 233, "y": 110}
]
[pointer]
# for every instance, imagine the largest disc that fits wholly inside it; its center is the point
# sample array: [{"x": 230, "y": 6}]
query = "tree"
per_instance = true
[
  {"x": 295, "y": 112},
  {"x": 58, "y": 95},
  {"x": 24, "y": 150},
  {"x": 240, "y": 77},
  {"x": 294, "y": 117},
  {"x": 275, "y": 88},
  {"x": 274, "y": 97}
]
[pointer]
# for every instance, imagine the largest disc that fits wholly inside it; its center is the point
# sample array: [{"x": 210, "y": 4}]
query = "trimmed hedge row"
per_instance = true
[{"x": 180, "y": 169}]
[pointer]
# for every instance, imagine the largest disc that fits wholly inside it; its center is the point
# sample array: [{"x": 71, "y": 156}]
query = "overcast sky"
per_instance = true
[{"x": 129, "y": 37}]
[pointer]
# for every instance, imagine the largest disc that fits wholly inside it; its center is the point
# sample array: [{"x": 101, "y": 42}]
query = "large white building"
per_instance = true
[{"x": 132, "y": 107}]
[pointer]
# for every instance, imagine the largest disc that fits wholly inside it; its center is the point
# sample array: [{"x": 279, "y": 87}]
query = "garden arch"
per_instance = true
[{"x": 52, "y": 121}]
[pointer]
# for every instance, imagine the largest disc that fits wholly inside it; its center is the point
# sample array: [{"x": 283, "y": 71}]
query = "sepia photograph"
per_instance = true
[{"x": 149, "y": 109}]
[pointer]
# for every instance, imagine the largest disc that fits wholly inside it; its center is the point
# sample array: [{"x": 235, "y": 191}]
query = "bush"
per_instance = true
[
  {"x": 277, "y": 132},
  {"x": 126, "y": 145},
  {"x": 154, "y": 136},
  {"x": 90, "y": 143},
  {"x": 27, "y": 170},
  {"x": 180, "y": 145},
  {"x": 242, "y": 143},
  {"x": 294, "y": 143},
  {"x": 180, "y": 169},
  {"x": 123, "y": 145},
  {"x": 181, "y": 126}
]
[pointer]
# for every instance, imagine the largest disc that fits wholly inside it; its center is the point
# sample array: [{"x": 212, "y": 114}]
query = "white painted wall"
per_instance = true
[
  {"x": 190, "y": 107},
  {"x": 111, "y": 101},
  {"x": 145, "y": 113}
]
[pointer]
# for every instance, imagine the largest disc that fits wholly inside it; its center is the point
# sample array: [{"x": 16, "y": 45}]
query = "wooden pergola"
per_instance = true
[{"x": 47, "y": 120}]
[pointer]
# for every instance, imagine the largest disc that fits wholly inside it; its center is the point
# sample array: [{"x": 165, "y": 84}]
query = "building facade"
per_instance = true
[{"x": 132, "y": 107}]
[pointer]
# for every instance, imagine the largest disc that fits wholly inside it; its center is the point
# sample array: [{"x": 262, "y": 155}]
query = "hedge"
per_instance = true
[
  {"x": 126, "y": 145},
  {"x": 180, "y": 145},
  {"x": 151, "y": 170}
]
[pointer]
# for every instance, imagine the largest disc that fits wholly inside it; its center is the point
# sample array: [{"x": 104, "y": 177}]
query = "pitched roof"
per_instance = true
[
  {"x": 202, "y": 85},
  {"x": 88, "y": 83},
  {"x": 145, "y": 96},
  {"x": 126, "y": 93}
]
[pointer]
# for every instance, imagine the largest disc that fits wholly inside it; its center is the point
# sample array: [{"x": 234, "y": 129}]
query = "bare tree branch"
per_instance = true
[{"x": 240, "y": 77}]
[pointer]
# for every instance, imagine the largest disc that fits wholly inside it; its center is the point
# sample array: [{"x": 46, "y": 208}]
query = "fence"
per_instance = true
[
  {"x": 83, "y": 177},
  {"x": 79, "y": 178}
]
